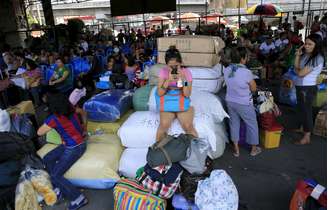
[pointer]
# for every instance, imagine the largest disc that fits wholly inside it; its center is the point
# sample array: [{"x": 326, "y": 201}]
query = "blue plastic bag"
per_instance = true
[
  {"x": 80, "y": 65},
  {"x": 287, "y": 94},
  {"x": 109, "y": 106},
  {"x": 180, "y": 203}
]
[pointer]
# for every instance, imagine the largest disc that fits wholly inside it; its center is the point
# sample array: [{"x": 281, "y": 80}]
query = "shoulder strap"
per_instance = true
[{"x": 166, "y": 155}]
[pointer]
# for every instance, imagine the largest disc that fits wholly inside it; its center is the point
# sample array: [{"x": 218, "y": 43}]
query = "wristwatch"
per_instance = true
[{"x": 185, "y": 83}]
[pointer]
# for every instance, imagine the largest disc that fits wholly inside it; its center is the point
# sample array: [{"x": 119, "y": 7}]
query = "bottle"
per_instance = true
[{"x": 179, "y": 83}]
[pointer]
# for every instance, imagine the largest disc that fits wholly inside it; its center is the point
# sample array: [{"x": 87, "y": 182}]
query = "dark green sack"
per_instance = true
[{"x": 169, "y": 150}]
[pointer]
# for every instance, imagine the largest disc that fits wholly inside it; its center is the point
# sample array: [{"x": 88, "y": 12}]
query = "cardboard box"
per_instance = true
[
  {"x": 320, "y": 125},
  {"x": 195, "y": 50},
  {"x": 194, "y": 59},
  {"x": 192, "y": 44}
]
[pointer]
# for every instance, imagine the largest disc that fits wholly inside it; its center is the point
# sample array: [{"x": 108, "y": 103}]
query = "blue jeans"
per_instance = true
[{"x": 57, "y": 162}]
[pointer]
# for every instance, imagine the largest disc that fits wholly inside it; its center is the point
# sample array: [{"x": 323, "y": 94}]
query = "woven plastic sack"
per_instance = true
[
  {"x": 109, "y": 106},
  {"x": 129, "y": 195},
  {"x": 97, "y": 168}
]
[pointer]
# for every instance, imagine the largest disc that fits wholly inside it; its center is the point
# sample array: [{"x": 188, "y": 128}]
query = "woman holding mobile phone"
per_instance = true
[
  {"x": 173, "y": 77},
  {"x": 308, "y": 65}
]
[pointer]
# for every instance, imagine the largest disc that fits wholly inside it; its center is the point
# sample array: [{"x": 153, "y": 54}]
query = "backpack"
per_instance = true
[
  {"x": 14, "y": 146},
  {"x": 162, "y": 180}
]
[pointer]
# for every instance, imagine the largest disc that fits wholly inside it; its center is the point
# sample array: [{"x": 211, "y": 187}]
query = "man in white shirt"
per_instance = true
[
  {"x": 282, "y": 42},
  {"x": 267, "y": 47},
  {"x": 84, "y": 45}
]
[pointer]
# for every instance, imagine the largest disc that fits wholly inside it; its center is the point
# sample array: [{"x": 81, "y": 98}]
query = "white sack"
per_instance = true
[
  {"x": 131, "y": 160},
  {"x": 139, "y": 130}
]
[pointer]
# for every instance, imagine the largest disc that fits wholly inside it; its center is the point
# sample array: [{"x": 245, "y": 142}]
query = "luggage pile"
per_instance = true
[{"x": 144, "y": 163}]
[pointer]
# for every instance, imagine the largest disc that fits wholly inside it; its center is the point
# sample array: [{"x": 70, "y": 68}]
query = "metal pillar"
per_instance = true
[
  {"x": 307, "y": 19},
  {"x": 179, "y": 14}
]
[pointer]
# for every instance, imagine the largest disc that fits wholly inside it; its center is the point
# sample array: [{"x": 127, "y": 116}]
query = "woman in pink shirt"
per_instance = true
[{"x": 175, "y": 77}]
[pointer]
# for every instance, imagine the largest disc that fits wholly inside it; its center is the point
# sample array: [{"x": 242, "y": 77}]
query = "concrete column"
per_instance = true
[
  {"x": 12, "y": 21},
  {"x": 48, "y": 13}
]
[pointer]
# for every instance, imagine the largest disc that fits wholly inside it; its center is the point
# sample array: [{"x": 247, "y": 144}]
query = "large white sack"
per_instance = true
[
  {"x": 203, "y": 102},
  {"x": 97, "y": 168},
  {"x": 221, "y": 140},
  {"x": 131, "y": 160},
  {"x": 139, "y": 130},
  {"x": 207, "y": 79}
]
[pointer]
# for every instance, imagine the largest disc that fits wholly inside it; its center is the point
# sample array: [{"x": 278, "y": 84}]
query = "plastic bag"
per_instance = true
[
  {"x": 26, "y": 196},
  {"x": 41, "y": 184},
  {"x": 217, "y": 192}
]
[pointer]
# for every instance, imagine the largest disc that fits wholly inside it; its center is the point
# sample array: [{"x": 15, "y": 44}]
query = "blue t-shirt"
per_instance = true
[{"x": 238, "y": 90}]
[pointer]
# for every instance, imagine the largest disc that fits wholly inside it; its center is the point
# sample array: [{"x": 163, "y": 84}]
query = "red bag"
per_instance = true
[{"x": 306, "y": 189}]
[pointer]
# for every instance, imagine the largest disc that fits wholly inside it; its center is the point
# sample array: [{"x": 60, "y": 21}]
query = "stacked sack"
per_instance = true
[
  {"x": 98, "y": 166},
  {"x": 158, "y": 167},
  {"x": 108, "y": 110},
  {"x": 139, "y": 130}
]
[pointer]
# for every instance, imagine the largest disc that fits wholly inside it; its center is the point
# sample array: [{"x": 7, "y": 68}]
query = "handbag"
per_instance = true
[
  {"x": 129, "y": 195},
  {"x": 162, "y": 180},
  {"x": 309, "y": 195},
  {"x": 172, "y": 101},
  {"x": 169, "y": 150}
]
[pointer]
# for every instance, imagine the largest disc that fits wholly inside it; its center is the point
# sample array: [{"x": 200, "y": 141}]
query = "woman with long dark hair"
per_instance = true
[
  {"x": 309, "y": 63},
  {"x": 65, "y": 121}
]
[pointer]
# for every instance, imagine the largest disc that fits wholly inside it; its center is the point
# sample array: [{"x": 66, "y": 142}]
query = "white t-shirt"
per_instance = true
[
  {"x": 281, "y": 43},
  {"x": 85, "y": 46},
  {"x": 316, "y": 67},
  {"x": 265, "y": 48}
]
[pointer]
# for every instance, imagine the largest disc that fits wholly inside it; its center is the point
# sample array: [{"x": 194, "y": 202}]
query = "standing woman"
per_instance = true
[
  {"x": 240, "y": 85},
  {"x": 309, "y": 63},
  {"x": 175, "y": 77},
  {"x": 66, "y": 122}
]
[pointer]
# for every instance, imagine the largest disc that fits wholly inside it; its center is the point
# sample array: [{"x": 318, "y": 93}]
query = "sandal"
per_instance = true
[
  {"x": 256, "y": 152},
  {"x": 236, "y": 154}
]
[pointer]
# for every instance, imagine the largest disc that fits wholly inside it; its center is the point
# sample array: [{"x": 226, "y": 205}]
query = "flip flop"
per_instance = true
[
  {"x": 299, "y": 143},
  {"x": 257, "y": 151},
  {"x": 236, "y": 154}
]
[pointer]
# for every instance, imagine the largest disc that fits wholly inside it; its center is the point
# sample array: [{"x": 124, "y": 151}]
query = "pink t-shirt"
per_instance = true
[{"x": 164, "y": 74}]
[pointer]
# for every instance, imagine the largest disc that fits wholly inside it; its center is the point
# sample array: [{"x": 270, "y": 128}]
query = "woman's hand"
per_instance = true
[
  {"x": 299, "y": 51},
  {"x": 181, "y": 75}
]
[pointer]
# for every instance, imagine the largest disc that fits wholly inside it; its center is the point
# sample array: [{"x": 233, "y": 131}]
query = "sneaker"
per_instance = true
[
  {"x": 59, "y": 195},
  {"x": 78, "y": 203}
]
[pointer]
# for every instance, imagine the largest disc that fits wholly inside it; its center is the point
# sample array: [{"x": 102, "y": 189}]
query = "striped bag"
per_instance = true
[{"x": 129, "y": 195}]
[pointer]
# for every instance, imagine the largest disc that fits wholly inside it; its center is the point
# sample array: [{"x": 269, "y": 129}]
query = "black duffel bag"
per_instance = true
[{"x": 169, "y": 150}]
